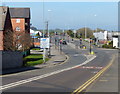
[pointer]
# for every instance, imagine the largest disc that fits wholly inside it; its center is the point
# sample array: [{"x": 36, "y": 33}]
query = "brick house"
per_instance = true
[
  {"x": 20, "y": 18},
  {"x": 5, "y": 27}
]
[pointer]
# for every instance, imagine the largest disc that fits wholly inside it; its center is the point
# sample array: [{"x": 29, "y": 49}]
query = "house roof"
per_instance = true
[
  {"x": 3, "y": 13},
  {"x": 20, "y": 12}
]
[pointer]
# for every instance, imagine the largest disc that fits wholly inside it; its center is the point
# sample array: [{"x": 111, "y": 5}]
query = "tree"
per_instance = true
[
  {"x": 70, "y": 33},
  {"x": 99, "y": 30},
  {"x": 25, "y": 41},
  {"x": 81, "y": 33},
  {"x": 8, "y": 40},
  {"x": 17, "y": 41}
]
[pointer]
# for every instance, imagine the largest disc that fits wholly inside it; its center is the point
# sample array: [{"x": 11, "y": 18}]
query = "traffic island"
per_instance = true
[{"x": 92, "y": 53}]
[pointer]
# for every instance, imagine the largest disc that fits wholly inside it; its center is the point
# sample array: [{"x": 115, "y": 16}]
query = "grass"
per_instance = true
[
  {"x": 34, "y": 59},
  {"x": 35, "y": 49}
]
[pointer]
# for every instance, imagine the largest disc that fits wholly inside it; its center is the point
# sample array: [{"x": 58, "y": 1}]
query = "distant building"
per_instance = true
[
  {"x": 101, "y": 35},
  {"x": 36, "y": 39},
  {"x": 5, "y": 27},
  {"x": 33, "y": 33},
  {"x": 20, "y": 18},
  {"x": 119, "y": 41},
  {"x": 116, "y": 39}
]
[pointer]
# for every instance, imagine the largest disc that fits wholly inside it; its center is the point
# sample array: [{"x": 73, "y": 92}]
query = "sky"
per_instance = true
[{"x": 72, "y": 15}]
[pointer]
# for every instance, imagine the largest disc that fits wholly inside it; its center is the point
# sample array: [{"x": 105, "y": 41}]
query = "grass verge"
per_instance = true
[
  {"x": 35, "y": 49},
  {"x": 33, "y": 59}
]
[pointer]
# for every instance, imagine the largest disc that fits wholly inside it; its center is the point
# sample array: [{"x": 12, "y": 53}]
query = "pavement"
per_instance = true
[{"x": 56, "y": 57}]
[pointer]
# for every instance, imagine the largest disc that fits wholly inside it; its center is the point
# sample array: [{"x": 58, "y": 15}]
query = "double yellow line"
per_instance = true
[{"x": 86, "y": 84}]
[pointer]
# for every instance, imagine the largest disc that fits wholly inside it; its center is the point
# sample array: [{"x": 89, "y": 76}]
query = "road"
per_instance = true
[{"x": 62, "y": 78}]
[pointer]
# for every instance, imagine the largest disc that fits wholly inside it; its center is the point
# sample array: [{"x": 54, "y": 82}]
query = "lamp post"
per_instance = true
[
  {"x": 48, "y": 31},
  {"x": 85, "y": 32},
  {"x": 48, "y": 22},
  {"x": 85, "y": 27},
  {"x": 44, "y": 49},
  {"x": 96, "y": 32}
]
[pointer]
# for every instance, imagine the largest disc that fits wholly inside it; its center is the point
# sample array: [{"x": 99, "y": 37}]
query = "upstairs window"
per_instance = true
[
  {"x": 17, "y": 20},
  {"x": 17, "y": 28}
]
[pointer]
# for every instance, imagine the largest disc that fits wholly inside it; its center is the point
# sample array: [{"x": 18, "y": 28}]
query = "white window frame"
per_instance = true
[
  {"x": 17, "y": 20},
  {"x": 17, "y": 28}
]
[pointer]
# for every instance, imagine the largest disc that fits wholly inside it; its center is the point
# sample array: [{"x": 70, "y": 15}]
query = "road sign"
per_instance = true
[{"x": 45, "y": 43}]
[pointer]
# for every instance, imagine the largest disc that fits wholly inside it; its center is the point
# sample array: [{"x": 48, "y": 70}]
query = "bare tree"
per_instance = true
[
  {"x": 25, "y": 41},
  {"x": 17, "y": 41},
  {"x": 8, "y": 40}
]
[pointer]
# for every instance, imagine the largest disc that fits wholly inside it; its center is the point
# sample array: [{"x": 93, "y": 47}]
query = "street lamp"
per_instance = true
[
  {"x": 85, "y": 32},
  {"x": 44, "y": 49},
  {"x": 48, "y": 29},
  {"x": 48, "y": 22},
  {"x": 85, "y": 27},
  {"x": 96, "y": 32}
]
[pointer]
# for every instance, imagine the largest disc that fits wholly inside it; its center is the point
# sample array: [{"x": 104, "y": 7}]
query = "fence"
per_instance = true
[{"x": 10, "y": 59}]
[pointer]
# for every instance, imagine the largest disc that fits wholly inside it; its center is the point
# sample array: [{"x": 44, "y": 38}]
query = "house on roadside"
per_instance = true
[
  {"x": 8, "y": 57},
  {"x": 5, "y": 29},
  {"x": 20, "y": 18},
  {"x": 101, "y": 35}
]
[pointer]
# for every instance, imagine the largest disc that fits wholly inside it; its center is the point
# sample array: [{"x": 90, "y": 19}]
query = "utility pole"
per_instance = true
[
  {"x": 44, "y": 49},
  {"x": 48, "y": 35},
  {"x": 90, "y": 45},
  {"x": 85, "y": 32},
  {"x": 47, "y": 29},
  {"x": 97, "y": 37}
]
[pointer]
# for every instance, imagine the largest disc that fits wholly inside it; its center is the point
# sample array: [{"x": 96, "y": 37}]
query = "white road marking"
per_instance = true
[
  {"x": 76, "y": 54},
  {"x": 90, "y": 67},
  {"x": 42, "y": 76}
]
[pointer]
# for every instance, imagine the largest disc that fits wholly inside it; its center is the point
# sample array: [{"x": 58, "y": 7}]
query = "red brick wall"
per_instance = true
[
  {"x": 1, "y": 40},
  {"x": 21, "y": 24}
]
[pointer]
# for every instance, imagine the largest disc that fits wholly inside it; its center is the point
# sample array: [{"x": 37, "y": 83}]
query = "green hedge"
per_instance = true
[{"x": 33, "y": 59}]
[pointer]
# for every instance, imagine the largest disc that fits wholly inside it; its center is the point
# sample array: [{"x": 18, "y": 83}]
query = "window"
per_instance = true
[
  {"x": 17, "y": 28},
  {"x": 17, "y": 20},
  {"x": 18, "y": 37}
]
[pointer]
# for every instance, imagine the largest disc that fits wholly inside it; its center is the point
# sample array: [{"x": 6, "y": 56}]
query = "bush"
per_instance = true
[{"x": 110, "y": 45}]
